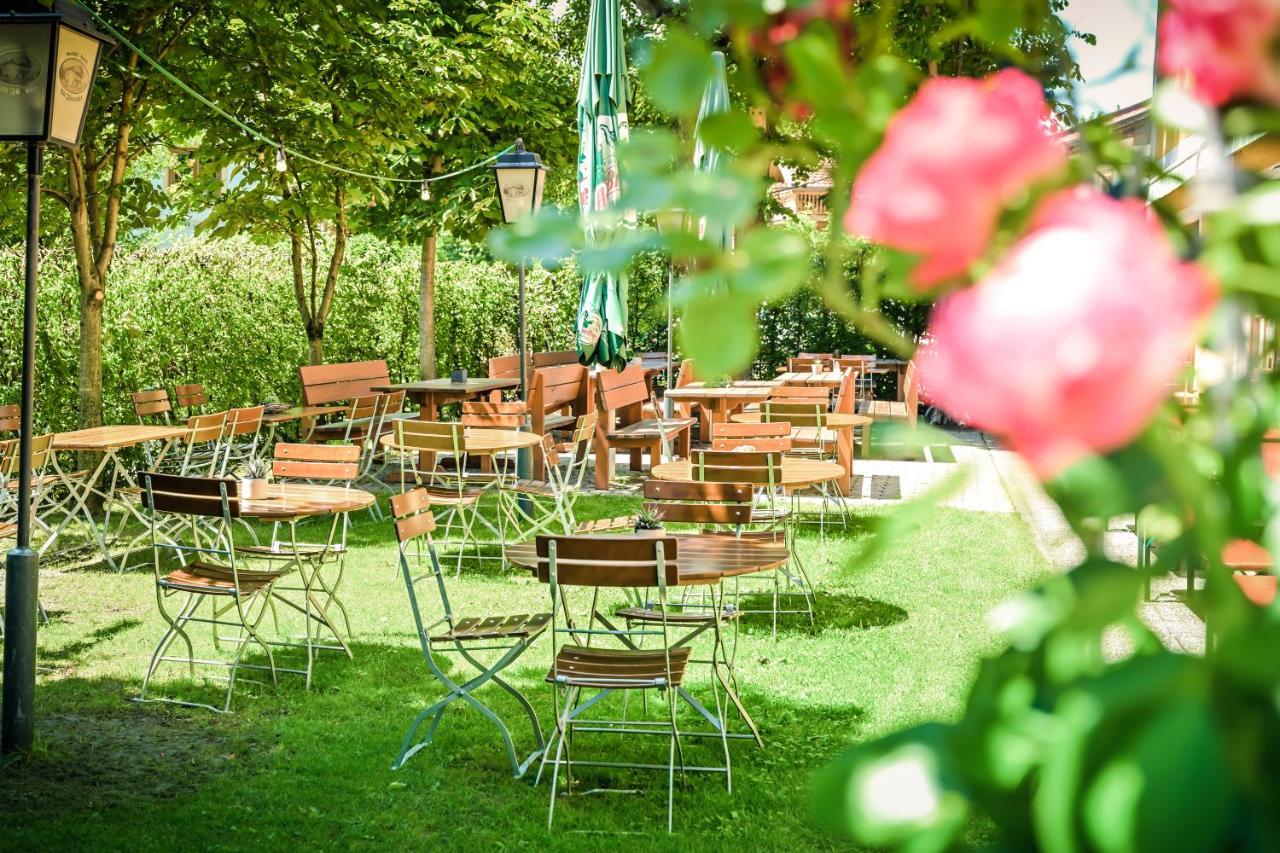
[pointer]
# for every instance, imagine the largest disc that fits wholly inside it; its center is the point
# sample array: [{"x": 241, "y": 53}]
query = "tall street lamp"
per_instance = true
[
  {"x": 48, "y": 59},
  {"x": 520, "y": 176}
]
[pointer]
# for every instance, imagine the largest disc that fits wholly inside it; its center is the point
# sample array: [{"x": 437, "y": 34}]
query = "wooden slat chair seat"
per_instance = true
[
  {"x": 214, "y": 579},
  {"x": 495, "y": 627},
  {"x": 620, "y": 402},
  {"x": 587, "y": 666},
  {"x": 508, "y": 636}
]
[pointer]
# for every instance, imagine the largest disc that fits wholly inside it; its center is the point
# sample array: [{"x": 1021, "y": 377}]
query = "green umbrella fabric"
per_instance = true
[
  {"x": 602, "y": 124},
  {"x": 708, "y": 158}
]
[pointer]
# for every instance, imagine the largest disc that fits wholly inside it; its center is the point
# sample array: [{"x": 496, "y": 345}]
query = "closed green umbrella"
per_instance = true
[
  {"x": 708, "y": 158},
  {"x": 602, "y": 123}
]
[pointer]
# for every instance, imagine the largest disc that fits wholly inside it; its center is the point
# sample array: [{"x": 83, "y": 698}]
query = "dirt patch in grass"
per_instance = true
[{"x": 86, "y": 762}]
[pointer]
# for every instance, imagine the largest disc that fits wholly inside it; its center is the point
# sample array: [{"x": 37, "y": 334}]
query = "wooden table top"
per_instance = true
[
  {"x": 796, "y": 471},
  {"x": 828, "y": 378},
  {"x": 448, "y": 386},
  {"x": 480, "y": 440},
  {"x": 294, "y": 413},
  {"x": 697, "y": 391},
  {"x": 114, "y": 437},
  {"x": 699, "y": 559},
  {"x": 834, "y": 420},
  {"x": 303, "y": 500}
]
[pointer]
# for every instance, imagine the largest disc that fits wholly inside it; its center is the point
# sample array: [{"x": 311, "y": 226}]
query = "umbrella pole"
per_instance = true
[
  {"x": 524, "y": 456},
  {"x": 668, "y": 406}
]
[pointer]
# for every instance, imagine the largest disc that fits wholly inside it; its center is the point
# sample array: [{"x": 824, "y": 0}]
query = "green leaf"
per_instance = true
[
  {"x": 719, "y": 333},
  {"x": 678, "y": 72},
  {"x": 768, "y": 263}
]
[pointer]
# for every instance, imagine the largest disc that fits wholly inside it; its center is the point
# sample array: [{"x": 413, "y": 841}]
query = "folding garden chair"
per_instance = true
[
  {"x": 766, "y": 438},
  {"x": 10, "y": 419},
  {"x": 811, "y": 437},
  {"x": 201, "y": 446},
  {"x": 190, "y": 398},
  {"x": 152, "y": 407},
  {"x": 448, "y": 486},
  {"x": 763, "y": 471},
  {"x": 240, "y": 437},
  {"x": 321, "y": 560},
  {"x": 541, "y": 506},
  {"x": 208, "y": 572},
  {"x": 490, "y": 415},
  {"x": 502, "y": 638},
  {"x": 594, "y": 656}
]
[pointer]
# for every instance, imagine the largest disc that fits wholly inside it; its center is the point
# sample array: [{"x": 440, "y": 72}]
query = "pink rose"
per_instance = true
[
  {"x": 1223, "y": 47},
  {"x": 950, "y": 160},
  {"x": 1068, "y": 346}
]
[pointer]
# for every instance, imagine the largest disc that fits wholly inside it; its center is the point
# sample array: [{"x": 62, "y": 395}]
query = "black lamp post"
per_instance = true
[
  {"x": 48, "y": 59},
  {"x": 520, "y": 176}
]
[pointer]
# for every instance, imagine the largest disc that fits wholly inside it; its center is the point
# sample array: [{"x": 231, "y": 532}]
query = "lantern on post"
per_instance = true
[{"x": 48, "y": 60}]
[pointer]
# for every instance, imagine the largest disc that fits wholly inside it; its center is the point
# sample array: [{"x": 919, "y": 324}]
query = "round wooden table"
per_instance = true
[
  {"x": 700, "y": 559},
  {"x": 796, "y": 472},
  {"x": 480, "y": 441},
  {"x": 302, "y": 500}
]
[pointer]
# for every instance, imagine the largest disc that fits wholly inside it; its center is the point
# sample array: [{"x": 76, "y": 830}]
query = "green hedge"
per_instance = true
[{"x": 222, "y": 313}]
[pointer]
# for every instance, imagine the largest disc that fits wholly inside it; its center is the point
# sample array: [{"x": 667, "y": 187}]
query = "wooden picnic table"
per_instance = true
[
  {"x": 824, "y": 378},
  {"x": 700, "y": 559},
  {"x": 796, "y": 472},
  {"x": 843, "y": 424},
  {"x": 431, "y": 394},
  {"x": 107, "y": 477},
  {"x": 718, "y": 404}
]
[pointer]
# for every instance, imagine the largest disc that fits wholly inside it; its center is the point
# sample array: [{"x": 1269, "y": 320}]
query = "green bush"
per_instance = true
[{"x": 222, "y": 313}]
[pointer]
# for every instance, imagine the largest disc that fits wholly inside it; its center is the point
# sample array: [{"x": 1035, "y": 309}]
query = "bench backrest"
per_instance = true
[
  {"x": 620, "y": 390},
  {"x": 555, "y": 358},
  {"x": 500, "y": 415},
  {"x": 804, "y": 363},
  {"x": 331, "y": 383},
  {"x": 504, "y": 367},
  {"x": 552, "y": 389}
]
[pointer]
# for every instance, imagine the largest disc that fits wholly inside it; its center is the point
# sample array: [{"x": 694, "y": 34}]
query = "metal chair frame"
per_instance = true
[
  {"x": 506, "y": 637},
  {"x": 538, "y": 507}
]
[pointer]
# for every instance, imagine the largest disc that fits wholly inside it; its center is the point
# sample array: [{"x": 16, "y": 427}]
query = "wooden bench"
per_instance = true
[
  {"x": 894, "y": 410},
  {"x": 620, "y": 400},
  {"x": 557, "y": 396},
  {"x": 345, "y": 382}
]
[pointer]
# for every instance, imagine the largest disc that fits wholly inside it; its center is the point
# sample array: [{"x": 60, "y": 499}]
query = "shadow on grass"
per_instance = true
[
  {"x": 831, "y": 610},
  {"x": 72, "y": 652},
  {"x": 288, "y": 763}
]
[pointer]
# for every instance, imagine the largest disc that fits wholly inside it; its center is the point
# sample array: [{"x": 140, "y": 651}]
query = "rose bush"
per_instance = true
[
  {"x": 1068, "y": 346},
  {"x": 1224, "y": 48},
  {"x": 950, "y": 160}
]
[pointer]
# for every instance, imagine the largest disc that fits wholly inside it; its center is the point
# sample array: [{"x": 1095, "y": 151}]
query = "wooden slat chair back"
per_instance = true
[
  {"x": 10, "y": 418},
  {"x": 703, "y": 504},
  {"x": 622, "y": 562},
  {"x": 759, "y": 468},
  {"x": 433, "y": 436},
  {"x": 334, "y": 383},
  {"x": 798, "y": 414},
  {"x": 775, "y": 437},
  {"x": 490, "y": 415},
  {"x": 356, "y": 422},
  {"x": 847, "y": 393},
  {"x": 804, "y": 364},
  {"x": 826, "y": 356},
  {"x": 201, "y": 496},
  {"x": 152, "y": 406},
  {"x": 191, "y": 398},
  {"x": 41, "y": 454},
  {"x": 244, "y": 421},
  {"x": 335, "y": 463},
  {"x": 201, "y": 443}
]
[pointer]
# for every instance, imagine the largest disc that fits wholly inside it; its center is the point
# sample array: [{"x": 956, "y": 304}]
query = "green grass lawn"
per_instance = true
[{"x": 897, "y": 643}]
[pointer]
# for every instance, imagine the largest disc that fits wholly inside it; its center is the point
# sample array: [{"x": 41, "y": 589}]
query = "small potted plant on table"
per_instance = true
[
  {"x": 255, "y": 480},
  {"x": 649, "y": 523}
]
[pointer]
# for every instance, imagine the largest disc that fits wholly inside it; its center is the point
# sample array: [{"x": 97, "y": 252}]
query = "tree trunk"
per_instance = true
[
  {"x": 427, "y": 308},
  {"x": 315, "y": 348}
]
